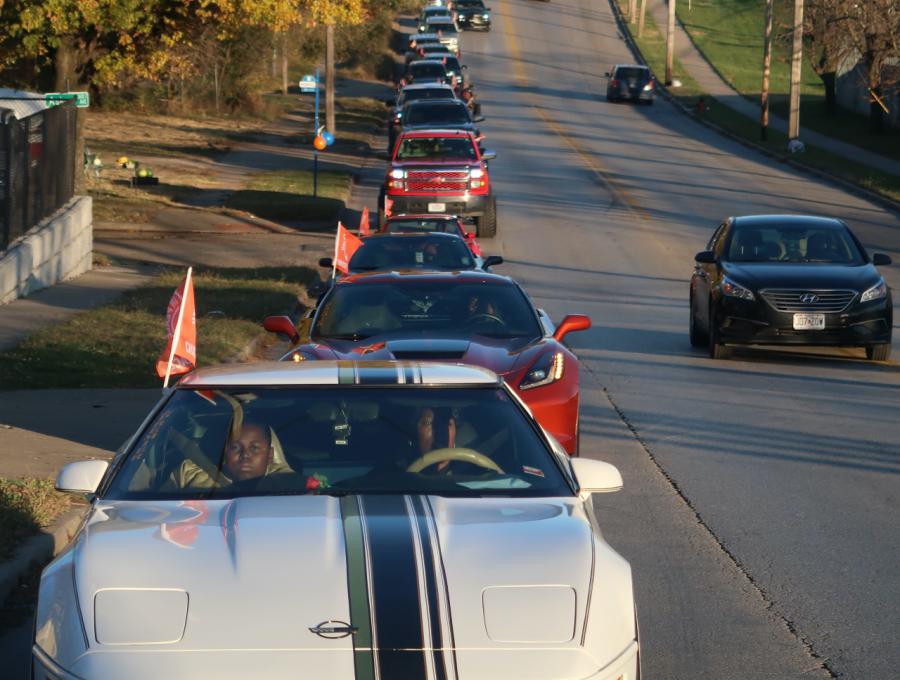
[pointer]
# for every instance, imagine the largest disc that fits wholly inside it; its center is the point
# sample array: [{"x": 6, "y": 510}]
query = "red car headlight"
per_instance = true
[{"x": 548, "y": 368}]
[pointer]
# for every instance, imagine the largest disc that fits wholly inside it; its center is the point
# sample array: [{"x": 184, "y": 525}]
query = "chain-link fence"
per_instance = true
[{"x": 37, "y": 166}]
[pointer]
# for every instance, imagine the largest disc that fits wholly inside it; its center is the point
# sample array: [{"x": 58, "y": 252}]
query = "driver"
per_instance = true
[{"x": 438, "y": 429}]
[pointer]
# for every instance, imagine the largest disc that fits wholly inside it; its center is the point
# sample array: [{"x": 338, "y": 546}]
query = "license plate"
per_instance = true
[
  {"x": 809, "y": 322},
  {"x": 437, "y": 207}
]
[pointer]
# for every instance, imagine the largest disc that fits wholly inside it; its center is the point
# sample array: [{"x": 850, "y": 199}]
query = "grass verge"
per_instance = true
[
  {"x": 287, "y": 195},
  {"x": 653, "y": 47},
  {"x": 117, "y": 345},
  {"x": 26, "y": 506}
]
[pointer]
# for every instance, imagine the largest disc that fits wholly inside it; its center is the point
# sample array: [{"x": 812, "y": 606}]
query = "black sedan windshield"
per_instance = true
[
  {"x": 791, "y": 243},
  {"x": 427, "y": 71},
  {"x": 360, "y": 310},
  {"x": 224, "y": 443},
  {"x": 412, "y": 252},
  {"x": 412, "y": 95},
  {"x": 422, "y": 224}
]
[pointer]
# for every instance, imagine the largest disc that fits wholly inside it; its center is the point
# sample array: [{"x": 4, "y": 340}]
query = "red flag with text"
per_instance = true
[
  {"x": 180, "y": 355},
  {"x": 364, "y": 228},
  {"x": 345, "y": 244}
]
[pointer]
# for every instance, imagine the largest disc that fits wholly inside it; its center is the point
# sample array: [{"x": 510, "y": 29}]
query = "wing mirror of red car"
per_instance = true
[
  {"x": 283, "y": 326},
  {"x": 570, "y": 324},
  {"x": 488, "y": 155}
]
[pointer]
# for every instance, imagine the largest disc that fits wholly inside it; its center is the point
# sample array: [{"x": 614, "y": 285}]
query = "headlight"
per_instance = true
[
  {"x": 736, "y": 290},
  {"x": 485, "y": 16},
  {"x": 398, "y": 174},
  {"x": 876, "y": 292},
  {"x": 297, "y": 356},
  {"x": 476, "y": 173},
  {"x": 547, "y": 369}
]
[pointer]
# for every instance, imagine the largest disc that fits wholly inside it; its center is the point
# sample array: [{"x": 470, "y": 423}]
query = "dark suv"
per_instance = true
[
  {"x": 472, "y": 14},
  {"x": 630, "y": 81}
]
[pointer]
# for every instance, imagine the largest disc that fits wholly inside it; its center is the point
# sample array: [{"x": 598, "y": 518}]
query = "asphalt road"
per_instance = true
[{"x": 762, "y": 508}]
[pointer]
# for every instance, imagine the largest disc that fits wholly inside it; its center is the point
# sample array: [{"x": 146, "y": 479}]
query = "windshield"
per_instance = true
[
  {"x": 422, "y": 225},
  {"x": 790, "y": 243},
  {"x": 428, "y": 93},
  {"x": 632, "y": 72},
  {"x": 450, "y": 113},
  {"x": 358, "y": 310},
  {"x": 420, "y": 70},
  {"x": 443, "y": 28},
  {"x": 226, "y": 443},
  {"x": 436, "y": 147},
  {"x": 469, "y": 4},
  {"x": 412, "y": 252}
]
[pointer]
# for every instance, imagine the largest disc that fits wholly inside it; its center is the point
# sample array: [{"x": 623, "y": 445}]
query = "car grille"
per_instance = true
[
  {"x": 789, "y": 300},
  {"x": 440, "y": 180}
]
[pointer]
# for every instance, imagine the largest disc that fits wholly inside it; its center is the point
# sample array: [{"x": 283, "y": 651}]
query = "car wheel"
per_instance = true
[
  {"x": 716, "y": 349},
  {"x": 698, "y": 337},
  {"x": 878, "y": 352},
  {"x": 486, "y": 225}
]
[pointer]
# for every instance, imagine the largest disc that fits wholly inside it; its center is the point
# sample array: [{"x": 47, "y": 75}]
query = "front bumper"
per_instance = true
[
  {"x": 756, "y": 322},
  {"x": 473, "y": 21},
  {"x": 636, "y": 95},
  {"x": 465, "y": 205}
]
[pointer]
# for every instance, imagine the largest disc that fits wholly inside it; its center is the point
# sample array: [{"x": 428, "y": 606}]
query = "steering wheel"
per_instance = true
[
  {"x": 451, "y": 454},
  {"x": 472, "y": 320}
]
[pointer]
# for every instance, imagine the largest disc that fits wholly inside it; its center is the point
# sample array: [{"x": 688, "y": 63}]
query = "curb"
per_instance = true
[
  {"x": 852, "y": 187},
  {"x": 40, "y": 549}
]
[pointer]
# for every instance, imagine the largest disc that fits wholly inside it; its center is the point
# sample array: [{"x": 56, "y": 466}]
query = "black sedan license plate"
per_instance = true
[{"x": 809, "y": 322}]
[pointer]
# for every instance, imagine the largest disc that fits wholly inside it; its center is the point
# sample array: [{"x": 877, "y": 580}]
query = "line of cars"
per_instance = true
[{"x": 400, "y": 497}]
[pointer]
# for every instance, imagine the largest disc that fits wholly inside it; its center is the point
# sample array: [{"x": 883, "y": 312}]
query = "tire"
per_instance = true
[
  {"x": 878, "y": 352},
  {"x": 486, "y": 225},
  {"x": 698, "y": 337},
  {"x": 716, "y": 349}
]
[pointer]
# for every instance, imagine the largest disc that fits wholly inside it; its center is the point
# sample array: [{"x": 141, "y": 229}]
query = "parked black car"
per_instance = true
[
  {"x": 789, "y": 280},
  {"x": 630, "y": 81},
  {"x": 473, "y": 15}
]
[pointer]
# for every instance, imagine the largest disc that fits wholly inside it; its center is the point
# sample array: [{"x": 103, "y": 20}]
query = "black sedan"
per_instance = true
[
  {"x": 630, "y": 81},
  {"x": 473, "y": 15},
  {"x": 789, "y": 280}
]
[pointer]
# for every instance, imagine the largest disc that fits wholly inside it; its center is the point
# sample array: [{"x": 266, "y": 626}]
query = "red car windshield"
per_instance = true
[{"x": 416, "y": 148}]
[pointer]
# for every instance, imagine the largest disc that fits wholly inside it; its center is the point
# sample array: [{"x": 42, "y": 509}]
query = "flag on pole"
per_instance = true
[
  {"x": 180, "y": 355},
  {"x": 364, "y": 228},
  {"x": 345, "y": 244}
]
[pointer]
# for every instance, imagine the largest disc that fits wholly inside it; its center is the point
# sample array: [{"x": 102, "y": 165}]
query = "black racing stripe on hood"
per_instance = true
[
  {"x": 358, "y": 587},
  {"x": 430, "y": 576},
  {"x": 395, "y": 584}
]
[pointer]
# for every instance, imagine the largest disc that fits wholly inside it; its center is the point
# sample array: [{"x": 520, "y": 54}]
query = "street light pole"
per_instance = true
[
  {"x": 670, "y": 42},
  {"x": 315, "y": 134},
  {"x": 796, "y": 64}
]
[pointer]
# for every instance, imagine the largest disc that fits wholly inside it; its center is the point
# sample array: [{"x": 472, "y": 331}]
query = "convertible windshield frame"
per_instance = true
[{"x": 123, "y": 456}]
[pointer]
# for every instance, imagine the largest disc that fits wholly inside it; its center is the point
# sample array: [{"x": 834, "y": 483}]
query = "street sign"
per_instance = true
[{"x": 82, "y": 99}]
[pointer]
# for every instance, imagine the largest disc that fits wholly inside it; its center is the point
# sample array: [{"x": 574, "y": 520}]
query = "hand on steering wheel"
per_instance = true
[
  {"x": 451, "y": 454},
  {"x": 484, "y": 317}
]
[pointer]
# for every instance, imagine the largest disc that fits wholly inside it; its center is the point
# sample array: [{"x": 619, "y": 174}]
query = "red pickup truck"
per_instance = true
[{"x": 441, "y": 172}]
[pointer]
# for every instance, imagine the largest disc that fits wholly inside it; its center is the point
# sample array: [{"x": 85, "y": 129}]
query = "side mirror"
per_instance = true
[
  {"x": 705, "y": 257},
  {"x": 595, "y": 476},
  {"x": 491, "y": 260},
  {"x": 570, "y": 324},
  {"x": 283, "y": 326},
  {"x": 81, "y": 477},
  {"x": 464, "y": 67},
  {"x": 326, "y": 262},
  {"x": 488, "y": 155},
  {"x": 607, "y": 74},
  {"x": 478, "y": 119},
  {"x": 880, "y": 259}
]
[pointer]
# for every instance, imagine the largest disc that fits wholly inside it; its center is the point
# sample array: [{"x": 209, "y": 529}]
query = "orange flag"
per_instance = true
[
  {"x": 180, "y": 355},
  {"x": 345, "y": 244},
  {"x": 364, "y": 229}
]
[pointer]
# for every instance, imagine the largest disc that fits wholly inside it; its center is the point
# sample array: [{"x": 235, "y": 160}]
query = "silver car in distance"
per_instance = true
[{"x": 339, "y": 520}]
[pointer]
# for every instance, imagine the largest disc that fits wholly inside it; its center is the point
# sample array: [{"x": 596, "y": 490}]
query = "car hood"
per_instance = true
[
  {"x": 251, "y": 575},
  {"x": 757, "y": 275},
  {"x": 501, "y": 355}
]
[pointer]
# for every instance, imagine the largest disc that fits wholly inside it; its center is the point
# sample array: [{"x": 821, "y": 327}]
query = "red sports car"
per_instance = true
[
  {"x": 472, "y": 317},
  {"x": 401, "y": 224}
]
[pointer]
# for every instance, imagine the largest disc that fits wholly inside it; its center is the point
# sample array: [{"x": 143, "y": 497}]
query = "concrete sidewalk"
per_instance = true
[{"x": 699, "y": 69}]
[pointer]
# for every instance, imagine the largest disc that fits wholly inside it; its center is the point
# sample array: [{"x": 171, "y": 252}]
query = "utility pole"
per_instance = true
[
  {"x": 632, "y": 10},
  {"x": 767, "y": 68},
  {"x": 670, "y": 42},
  {"x": 329, "y": 79},
  {"x": 641, "y": 22},
  {"x": 796, "y": 63}
]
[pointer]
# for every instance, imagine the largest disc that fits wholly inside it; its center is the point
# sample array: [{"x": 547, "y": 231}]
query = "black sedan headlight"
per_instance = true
[
  {"x": 733, "y": 289},
  {"x": 547, "y": 369},
  {"x": 876, "y": 292}
]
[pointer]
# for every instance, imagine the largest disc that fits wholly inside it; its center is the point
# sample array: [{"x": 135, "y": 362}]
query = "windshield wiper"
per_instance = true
[{"x": 348, "y": 336}]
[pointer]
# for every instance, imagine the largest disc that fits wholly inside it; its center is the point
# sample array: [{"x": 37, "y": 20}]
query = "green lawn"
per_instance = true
[
  {"x": 27, "y": 505},
  {"x": 117, "y": 345},
  {"x": 287, "y": 195}
]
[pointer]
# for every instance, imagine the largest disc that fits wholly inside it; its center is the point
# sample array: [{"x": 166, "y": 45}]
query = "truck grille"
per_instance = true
[
  {"x": 801, "y": 300},
  {"x": 438, "y": 180}
]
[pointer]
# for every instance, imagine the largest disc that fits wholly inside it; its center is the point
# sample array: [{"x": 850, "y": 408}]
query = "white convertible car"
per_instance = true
[{"x": 393, "y": 521}]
